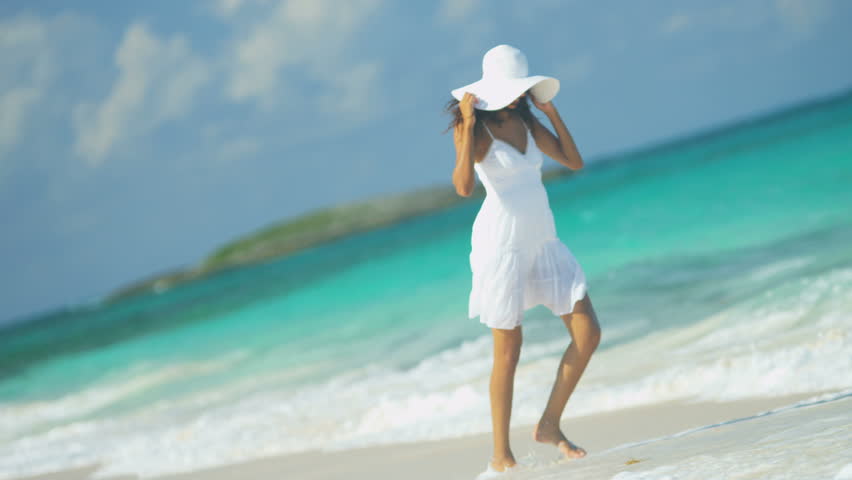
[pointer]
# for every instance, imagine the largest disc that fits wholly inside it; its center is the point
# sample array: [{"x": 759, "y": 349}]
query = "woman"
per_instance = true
[{"x": 516, "y": 258}]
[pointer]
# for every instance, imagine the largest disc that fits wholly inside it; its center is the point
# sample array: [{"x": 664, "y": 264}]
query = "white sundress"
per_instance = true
[{"x": 516, "y": 258}]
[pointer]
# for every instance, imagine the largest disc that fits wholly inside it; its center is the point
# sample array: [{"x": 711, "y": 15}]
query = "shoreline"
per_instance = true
[{"x": 465, "y": 457}]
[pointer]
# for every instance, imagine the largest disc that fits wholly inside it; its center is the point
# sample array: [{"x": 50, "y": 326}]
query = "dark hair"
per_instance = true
[{"x": 523, "y": 109}]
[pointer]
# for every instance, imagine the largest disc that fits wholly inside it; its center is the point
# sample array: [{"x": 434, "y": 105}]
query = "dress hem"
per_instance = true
[{"x": 571, "y": 310}]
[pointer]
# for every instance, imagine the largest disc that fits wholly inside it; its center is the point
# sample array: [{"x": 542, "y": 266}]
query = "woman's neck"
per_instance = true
[{"x": 503, "y": 114}]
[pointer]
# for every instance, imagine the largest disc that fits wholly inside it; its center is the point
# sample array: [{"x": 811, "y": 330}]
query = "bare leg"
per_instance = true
[
  {"x": 585, "y": 331},
  {"x": 507, "y": 349}
]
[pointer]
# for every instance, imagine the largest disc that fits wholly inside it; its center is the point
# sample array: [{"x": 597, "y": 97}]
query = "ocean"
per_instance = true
[{"x": 720, "y": 267}]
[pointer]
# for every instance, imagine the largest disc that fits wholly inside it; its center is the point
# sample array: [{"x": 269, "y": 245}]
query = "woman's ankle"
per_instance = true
[{"x": 506, "y": 458}]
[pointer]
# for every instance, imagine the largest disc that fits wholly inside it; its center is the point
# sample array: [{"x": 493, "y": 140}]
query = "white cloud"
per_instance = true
[
  {"x": 676, "y": 22},
  {"x": 353, "y": 91},
  {"x": 301, "y": 41},
  {"x": 531, "y": 11},
  {"x": 469, "y": 24},
  {"x": 452, "y": 11},
  {"x": 14, "y": 106},
  {"x": 26, "y": 68},
  {"x": 802, "y": 16},
  {"x": 228, "y": 8},
  {"x": 574, "y": 70},
  {"x": 157, "y": 82},
  {"x": 744, "y": 16},
  {"x": 179, "y": 91},
  {"x": 237, "y": 149}
]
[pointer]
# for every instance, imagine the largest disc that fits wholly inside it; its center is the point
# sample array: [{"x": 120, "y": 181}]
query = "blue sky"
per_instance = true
[{"x": 136, "y": 137}]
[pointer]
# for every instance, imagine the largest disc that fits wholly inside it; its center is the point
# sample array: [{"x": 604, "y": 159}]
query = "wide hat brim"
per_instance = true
[{"x": 494, "y": 94}]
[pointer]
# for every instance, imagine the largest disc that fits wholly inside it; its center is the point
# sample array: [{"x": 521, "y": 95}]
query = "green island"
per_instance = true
[{"x": 308, "y": 230}]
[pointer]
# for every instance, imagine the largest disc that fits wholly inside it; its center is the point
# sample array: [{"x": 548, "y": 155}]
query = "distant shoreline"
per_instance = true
[{"x": 309, "y": 230}]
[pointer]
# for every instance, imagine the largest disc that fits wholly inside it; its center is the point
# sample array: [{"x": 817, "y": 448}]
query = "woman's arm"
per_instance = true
[
  {"x": 563, "y": 149},
  {"x": 463, "y": 138}
]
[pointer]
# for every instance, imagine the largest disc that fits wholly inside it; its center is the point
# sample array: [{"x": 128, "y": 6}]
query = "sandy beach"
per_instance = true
[{"x": 465, "y": 457}]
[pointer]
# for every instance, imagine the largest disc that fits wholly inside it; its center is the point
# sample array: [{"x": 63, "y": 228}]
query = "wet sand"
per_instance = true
[{"x": 465, "y": 457}]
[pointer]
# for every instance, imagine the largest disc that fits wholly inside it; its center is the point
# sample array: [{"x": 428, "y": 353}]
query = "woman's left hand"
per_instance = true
[{"x": 546, "y": 107}]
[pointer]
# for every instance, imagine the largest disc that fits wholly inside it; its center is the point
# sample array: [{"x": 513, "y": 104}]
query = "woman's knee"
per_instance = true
[
  {"x": 589, "y": 330},
  {"x": 507, "y": 358},
  {"x": 507, "y": 346},
  {"x": 585, "y": 331},
  {"x": 583, "y": 325},
  {"x": 593, "y": 334}
]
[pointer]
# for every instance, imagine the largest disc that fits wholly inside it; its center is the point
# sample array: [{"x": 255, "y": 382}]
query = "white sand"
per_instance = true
[{"x": 599, "y": 434}]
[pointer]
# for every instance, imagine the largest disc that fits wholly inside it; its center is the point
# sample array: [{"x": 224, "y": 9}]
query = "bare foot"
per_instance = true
[
  {"x": 547, "y": 432},
  {"x": 501, "y": 464}
]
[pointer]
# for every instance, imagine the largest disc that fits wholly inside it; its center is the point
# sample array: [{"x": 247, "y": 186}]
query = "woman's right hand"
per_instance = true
[{"x": 466, "y": 107}]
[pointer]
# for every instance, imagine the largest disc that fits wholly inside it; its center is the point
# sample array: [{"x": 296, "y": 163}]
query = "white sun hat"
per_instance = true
[{"x": 505, "y": 76}]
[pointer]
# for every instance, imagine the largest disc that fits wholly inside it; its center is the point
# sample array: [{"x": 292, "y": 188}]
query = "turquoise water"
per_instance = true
[{"x": 733, "y": 245}]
